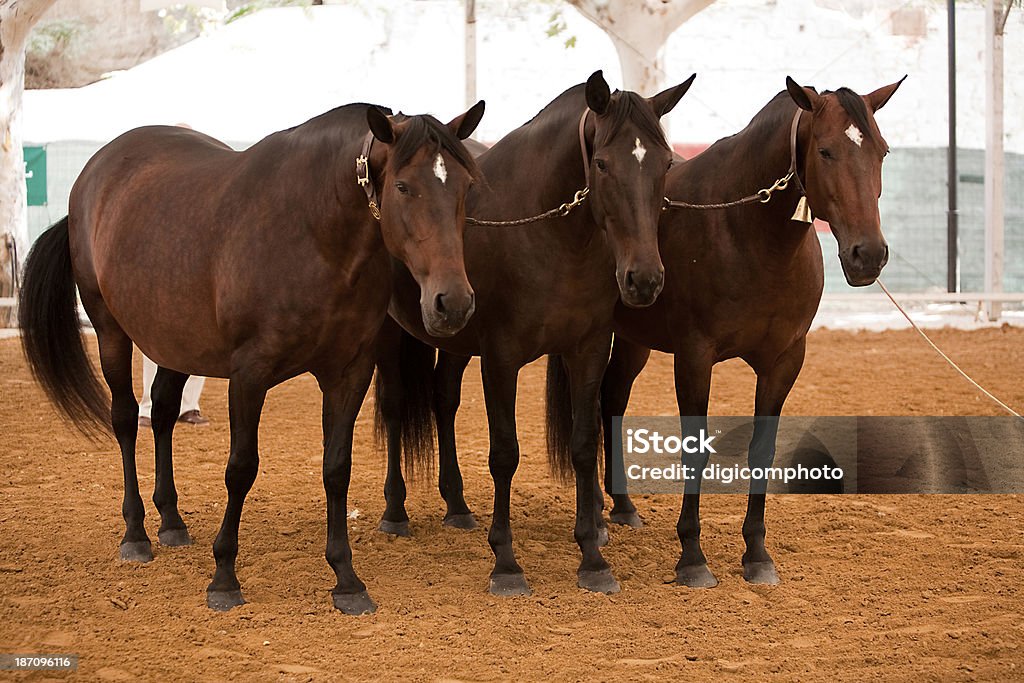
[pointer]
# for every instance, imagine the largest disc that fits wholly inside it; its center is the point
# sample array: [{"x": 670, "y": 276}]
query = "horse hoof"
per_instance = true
[
  {"x": 696, "y": 576},
  {"x": 394, "y": 528},
  {"x": 465, "y": 521},
  {"x": 761, "y": 572},
  {"x": 598, "y": 582},
  {"x": 222, "y": 601},
  {"x": 631, "y": 519},
  {"x": 174, "y": 537},
  {"x": 509, "y": 585},
  {"x": 602, "y": 536},
  {"x": 354, "y": 604},
  {"x": 137, "y": 551}
]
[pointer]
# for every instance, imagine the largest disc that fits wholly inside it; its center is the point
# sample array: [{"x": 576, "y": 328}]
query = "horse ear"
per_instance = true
[
  {"x": 805, "y": 98},
  {"x": 666, "y": 100},
  {"x": 380, "y": 125},
  {"x": 877, "y": 99},
  {"x": 462, "y": 126},
  {"x": 599, "y": 95}
]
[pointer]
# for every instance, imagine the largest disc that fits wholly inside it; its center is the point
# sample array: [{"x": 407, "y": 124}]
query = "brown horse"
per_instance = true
[
  {"x": 256, "y": 266},
  {"x": 545, "y": 288},
  {"x": 746, "y": 281}
]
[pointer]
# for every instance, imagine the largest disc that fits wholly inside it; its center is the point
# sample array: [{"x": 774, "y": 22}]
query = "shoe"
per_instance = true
[
  {"x": 145, "y": 422},
  {"x": 194, "y": 418}
]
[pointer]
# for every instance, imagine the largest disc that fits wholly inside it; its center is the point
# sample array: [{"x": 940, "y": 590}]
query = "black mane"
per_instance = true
[
  {"x": 625, "y": 106},
  {"x": 853, "y": 104},
  {"x": 425, "y": 130}
]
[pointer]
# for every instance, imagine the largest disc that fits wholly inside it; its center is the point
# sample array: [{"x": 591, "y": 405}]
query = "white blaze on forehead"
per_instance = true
[
  {"x": 639, "y": 151},
  {"x": 853, "y": 132},
  {"x": 440, "y": 170}
]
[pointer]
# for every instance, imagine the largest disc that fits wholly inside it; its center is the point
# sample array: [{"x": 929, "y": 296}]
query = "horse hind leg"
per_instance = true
[
  {"x": 447, "y": 398},
  {"x": 116, "y": 363},
  {"x": 166, "y": 392},
  {"x": 626, "y": 362}
]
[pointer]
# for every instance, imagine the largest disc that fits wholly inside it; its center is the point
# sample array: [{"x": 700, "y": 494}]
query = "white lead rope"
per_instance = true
[{"x": 947, "y": 358}]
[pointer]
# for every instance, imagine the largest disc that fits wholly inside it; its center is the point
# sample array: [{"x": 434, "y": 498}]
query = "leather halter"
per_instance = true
[
  {"x": 583, "y": 147},
  {"x": 363, "y": 176},
  {"x": 792, "y": 151}
]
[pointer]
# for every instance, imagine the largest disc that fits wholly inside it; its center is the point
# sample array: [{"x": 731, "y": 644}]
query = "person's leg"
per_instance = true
[
  {"x": 190, "y": 395},
  {"x": 148, "y": 375}
]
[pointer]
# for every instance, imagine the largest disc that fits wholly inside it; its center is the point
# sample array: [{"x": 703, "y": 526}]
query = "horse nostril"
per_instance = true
[
  {"x": 630, "y": 281},
  {"x": 855, "y": 253},
  {"x": 439, "y": 303}
]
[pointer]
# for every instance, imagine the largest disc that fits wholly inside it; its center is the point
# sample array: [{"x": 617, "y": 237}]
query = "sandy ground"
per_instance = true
[{"x": 906, "y": 588}]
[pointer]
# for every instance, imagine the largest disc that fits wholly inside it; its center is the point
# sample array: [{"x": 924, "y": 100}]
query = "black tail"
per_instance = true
[
  {"x": 414, "y": 404},
  {"x": 559, "y": 421},
  {"x": 50, "y": 334}
]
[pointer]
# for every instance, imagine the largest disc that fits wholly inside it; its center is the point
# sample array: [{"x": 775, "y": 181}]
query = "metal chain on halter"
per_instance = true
[
  {"x": 763, "y": 195},
  {"x": 558, "y": 211},
  {"x": 563, "y": 210}
]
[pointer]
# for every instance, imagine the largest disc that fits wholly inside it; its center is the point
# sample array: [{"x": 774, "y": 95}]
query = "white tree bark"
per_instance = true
[
  {"x": 17, "y": 17},
  {"x": 639, "y": 30}
]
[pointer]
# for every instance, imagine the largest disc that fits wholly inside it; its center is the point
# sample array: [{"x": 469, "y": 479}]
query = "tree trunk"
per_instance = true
[
  {"x": 639, "y": 30},
  {"x": 17, "y": 17}
]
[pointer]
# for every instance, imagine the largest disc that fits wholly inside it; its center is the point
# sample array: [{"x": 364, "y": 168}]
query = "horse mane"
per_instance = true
[
  {"x": 421, "y": 130},
  {"x": 624, "y": 106},
  {"x": 853, "y": 105},
  {"x": 627, "y": 105},
  {"x": 425, "y": 130}
]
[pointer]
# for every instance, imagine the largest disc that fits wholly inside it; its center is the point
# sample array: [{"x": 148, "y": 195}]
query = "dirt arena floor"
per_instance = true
[{"x": 905, "y": 588}]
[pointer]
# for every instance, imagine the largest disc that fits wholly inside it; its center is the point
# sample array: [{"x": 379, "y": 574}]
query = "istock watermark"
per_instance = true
[{"x": 818, "y": 455}]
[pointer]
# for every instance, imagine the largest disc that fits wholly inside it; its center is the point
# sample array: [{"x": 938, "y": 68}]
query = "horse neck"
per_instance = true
[
  {"x": 749, "y": 161},
  {"x": 538, "y": 167},
  {"x": 334, "y": 209}
]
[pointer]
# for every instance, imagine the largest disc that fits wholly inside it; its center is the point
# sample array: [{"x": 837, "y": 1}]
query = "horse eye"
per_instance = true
[
  {"x": 402, "y": 187},
  {"x": 601, "y": 166},
  {"x": 825, "y": 154}
]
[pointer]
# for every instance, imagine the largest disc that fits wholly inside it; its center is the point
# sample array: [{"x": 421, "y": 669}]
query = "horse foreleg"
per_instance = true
[
  {"x": 500, "y": 394},
  {"x": 447, "y": 397},
  {"x": 166, "y": 393},
  {"x": 585, "y": 371},
  {"x": 773, "y": 386},
  {"x": 342, "y": 398},
  {"x": 245, "y": 404},
  {"x": 626, "y": 363},
  {"x": 693, "y": 388}
]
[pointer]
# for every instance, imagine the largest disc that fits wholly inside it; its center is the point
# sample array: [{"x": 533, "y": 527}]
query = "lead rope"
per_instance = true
[{"x": 949, "y": 360}]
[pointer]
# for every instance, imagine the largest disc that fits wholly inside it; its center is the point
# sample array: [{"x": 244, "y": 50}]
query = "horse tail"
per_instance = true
[
  {"x": 559, "y": 421},
  {"x": 413, "y": 404},
  {"x": 50, "y": 334}
]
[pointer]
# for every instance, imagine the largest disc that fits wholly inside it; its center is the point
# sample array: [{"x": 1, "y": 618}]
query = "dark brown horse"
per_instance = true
[
  {"x": 545, "y": 288},
  {"x": 746, "y": 281},
  {"x": 256, "y": 266}
]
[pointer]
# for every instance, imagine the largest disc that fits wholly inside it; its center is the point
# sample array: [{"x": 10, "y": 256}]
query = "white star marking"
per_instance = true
[
  {"x": 440, "y": 170},
  {"x": 639, "y": 151},
  {"x": 853, "y": 132}
]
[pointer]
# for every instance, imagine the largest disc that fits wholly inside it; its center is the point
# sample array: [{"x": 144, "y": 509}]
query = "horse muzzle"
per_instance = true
[
  {"x": 863, "y": 262},
  {"x": 640, "y": 287},
  {"x": 446, "y": 312}
]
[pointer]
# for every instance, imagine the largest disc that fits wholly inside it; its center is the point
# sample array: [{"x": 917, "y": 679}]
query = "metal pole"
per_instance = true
[
  {"x": 994, "y": 162},
  {"x": 952, "y": 228},
  {"x": 470, "y": 53}
]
